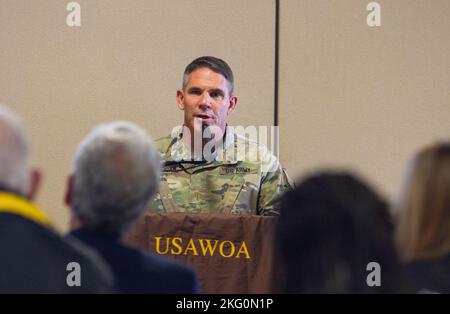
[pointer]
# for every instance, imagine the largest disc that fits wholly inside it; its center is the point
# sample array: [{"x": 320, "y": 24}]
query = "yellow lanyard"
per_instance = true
[{"x": 10, "y": 203}]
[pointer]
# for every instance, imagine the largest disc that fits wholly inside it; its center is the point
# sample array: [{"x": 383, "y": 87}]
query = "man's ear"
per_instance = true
[
  {"x": 232, "y": 105},
  {"x": 180, "y": 99},
  {"x": 35, "y": 182},
  {"x": 74, "y": 222},
  {"x": 68, "y": 195}
]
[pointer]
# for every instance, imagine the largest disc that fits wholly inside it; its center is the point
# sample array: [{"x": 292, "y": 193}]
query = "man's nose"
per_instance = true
[{"x": 205, "y": 100}]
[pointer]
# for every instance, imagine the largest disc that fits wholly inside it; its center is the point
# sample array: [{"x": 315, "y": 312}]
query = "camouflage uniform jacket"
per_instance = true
[{"x": 227, "y": 184}]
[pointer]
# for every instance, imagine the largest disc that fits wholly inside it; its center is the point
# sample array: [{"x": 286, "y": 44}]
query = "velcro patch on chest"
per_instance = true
[{"x": 236, "y": 170}]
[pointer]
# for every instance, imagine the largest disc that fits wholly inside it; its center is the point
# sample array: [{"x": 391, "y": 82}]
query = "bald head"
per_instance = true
[{"x": 14, "y": 154}]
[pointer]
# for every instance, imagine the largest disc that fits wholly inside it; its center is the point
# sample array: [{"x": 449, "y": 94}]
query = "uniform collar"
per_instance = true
[
  {"x": 13, "y": 204},
  {"x": 178, "y": 151}
]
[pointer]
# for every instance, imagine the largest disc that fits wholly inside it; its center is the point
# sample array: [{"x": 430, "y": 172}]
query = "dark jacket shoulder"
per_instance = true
[
  {"x": 137, "y": 271},
  {"x": 35, "y": 259}
]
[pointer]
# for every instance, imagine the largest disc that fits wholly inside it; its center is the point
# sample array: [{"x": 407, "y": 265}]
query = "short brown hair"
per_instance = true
[{"x": 214, "y": 64}]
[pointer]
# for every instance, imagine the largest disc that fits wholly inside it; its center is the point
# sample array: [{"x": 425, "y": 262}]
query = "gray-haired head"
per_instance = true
[
  {"x": 14, "y": 154},
  {"x": 214, "y": 64},
  {"x": 116, "y": 172}
]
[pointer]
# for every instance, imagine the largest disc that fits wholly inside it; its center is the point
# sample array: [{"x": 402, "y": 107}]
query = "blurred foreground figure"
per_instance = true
[
  {"x": 331, "y": 231},
  {"x": 423, "y": 230},
  {"x": 116, "y": 172},
  {"x": 33, "y": 258}
]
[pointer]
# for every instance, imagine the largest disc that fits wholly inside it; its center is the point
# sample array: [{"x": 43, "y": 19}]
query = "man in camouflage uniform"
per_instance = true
[{"x": 236, "y": 175}]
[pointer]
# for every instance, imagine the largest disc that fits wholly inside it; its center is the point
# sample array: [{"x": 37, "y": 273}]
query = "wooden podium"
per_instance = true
[{"x": 230, "y": 253}]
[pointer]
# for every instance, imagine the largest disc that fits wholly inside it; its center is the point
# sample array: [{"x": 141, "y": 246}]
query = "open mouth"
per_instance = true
[{"x": 203, "y": 116}]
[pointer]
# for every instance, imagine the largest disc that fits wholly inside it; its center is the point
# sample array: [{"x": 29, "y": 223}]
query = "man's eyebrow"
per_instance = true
[
  {"x": 194, "y": 89},
  {"x": 217, "y": 90}
]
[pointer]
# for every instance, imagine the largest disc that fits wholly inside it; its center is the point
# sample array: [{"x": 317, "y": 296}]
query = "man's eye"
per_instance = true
[
  {"x": 216, "y": 95},
  {"x": 195, "y": 91}
]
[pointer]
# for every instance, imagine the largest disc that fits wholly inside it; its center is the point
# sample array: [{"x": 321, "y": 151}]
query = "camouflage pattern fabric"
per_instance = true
[{"x": 243, "y": 178}]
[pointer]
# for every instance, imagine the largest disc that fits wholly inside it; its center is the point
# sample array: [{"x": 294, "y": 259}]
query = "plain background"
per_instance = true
[{"x": 353, "y": 96}]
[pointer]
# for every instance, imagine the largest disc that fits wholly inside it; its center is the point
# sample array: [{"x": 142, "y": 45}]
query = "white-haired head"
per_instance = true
[
  {"x": 14, "y": 154},
  {"x": 116, "y": 172}
]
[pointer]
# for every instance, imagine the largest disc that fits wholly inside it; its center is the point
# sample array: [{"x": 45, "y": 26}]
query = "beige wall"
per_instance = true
[
  {"x": 350, "y": 95},
  {"x": 360, "y": 97},
  {"x": 124, "y": 62}
]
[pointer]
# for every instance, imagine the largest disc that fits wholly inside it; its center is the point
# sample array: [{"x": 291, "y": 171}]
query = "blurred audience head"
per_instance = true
[
  {"x": 332, "y": 225},
  {"x": 423, "y": 209},
  {"x": 16, "y": 174},
  {"x": 116, "y": 172}
]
